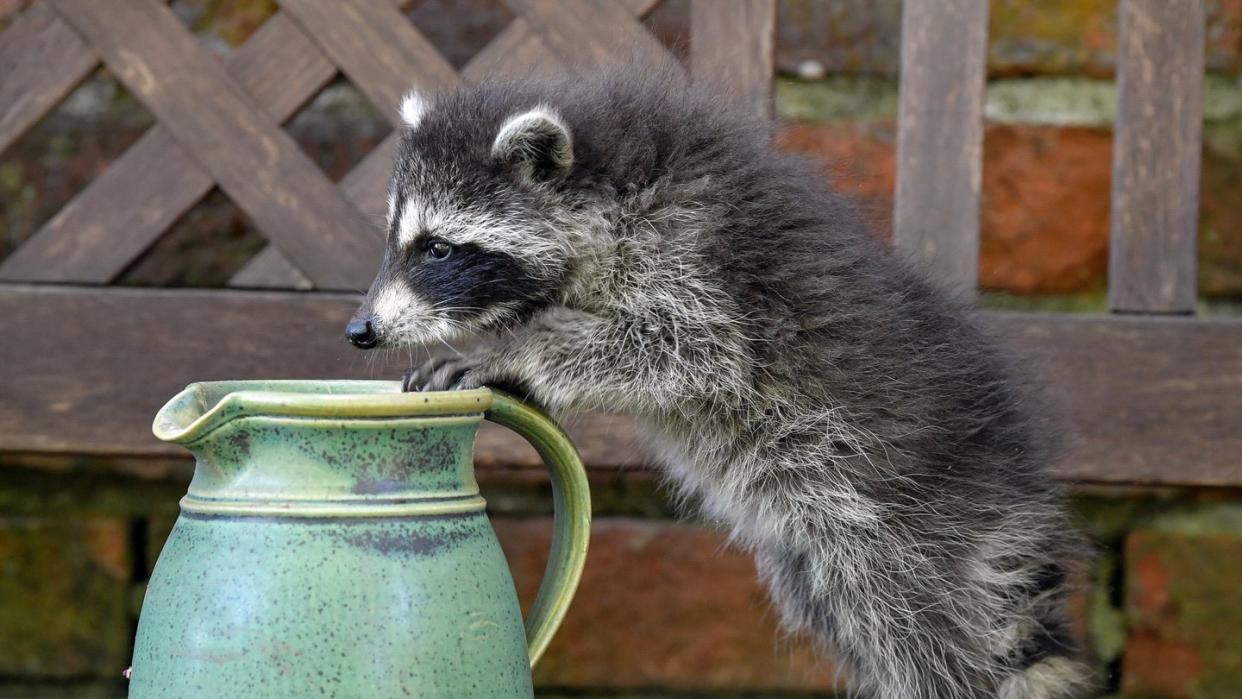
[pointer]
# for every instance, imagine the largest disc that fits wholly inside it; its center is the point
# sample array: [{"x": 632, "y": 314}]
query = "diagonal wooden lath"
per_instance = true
[
  {"x": 213, "y": 118},
  {"x": 130, "y": 205},
  {"x": 376, "y": 47},
  {"x": 572, "y": 31},
  {"x": 41, "y": 60},
  {"x": 294, "y": 54}
]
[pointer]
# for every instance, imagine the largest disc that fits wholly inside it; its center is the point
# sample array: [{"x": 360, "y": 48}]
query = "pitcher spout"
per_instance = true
[
  {"x": 189, "y": 415},
  {"x": 205, "y": 406}
]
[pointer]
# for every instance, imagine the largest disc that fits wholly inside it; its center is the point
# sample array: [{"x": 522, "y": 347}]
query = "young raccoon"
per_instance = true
[{"x": 634, "y": 246}]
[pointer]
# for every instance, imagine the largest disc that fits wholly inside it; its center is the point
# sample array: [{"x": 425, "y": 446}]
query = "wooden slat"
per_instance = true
[
  {"x": 367, "y": 184},
  {"x": 517, "y": 52},
  {"x": 940, "y": 137},
  {"x": 136, "y": 348},
  {"x": 1156, "y": 146},
  {"x": 107, "y": 225},
  {"x": 270, "y": 270},
  {"x": 364, "y": 186},
  {"x": 280, "y": 67},
  {"x": 592, "y": 35},
  {"x": 259, "y": 166},
  {"x": 1166, "y": 415},
  {"x": 732, "y": 45},
  {"x": 376, "y": 46},
  {"x": 41, "y": 60},
  {"x": 1150, "y": 400},
  {"x": 103, "y": 229},
  {"x": 126, "y": 209}
]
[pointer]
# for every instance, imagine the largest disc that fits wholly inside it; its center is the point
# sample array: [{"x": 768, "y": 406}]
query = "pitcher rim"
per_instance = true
[{"x": 327, "y": 399}]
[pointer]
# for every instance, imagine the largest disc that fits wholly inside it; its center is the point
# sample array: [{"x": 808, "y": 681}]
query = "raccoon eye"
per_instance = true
[{"x": 438, "y": 249}]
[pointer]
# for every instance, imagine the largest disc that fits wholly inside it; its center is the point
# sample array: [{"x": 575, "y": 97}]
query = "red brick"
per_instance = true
[
  {"x": 861, "y": 159},
  {"x": 664, "y": 605},
  {"x": 1044, "y": 217},
  {"x": 1044, "y": 209},
  {"x": 1155, "y": 666},
  {"x": 1182, "y": 576},
  {"x": 64, "y": 596}
]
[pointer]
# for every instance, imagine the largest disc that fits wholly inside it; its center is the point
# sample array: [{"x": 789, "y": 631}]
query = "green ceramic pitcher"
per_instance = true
[{"x": 333, "y": 543}]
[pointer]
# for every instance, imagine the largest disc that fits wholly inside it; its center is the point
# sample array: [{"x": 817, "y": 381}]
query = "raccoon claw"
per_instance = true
[{"x": 441, "y": 374}]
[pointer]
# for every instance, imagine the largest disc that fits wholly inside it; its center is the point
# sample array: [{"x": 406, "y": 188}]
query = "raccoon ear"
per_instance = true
[
  {"x": 536, "y": 144},
  {"x": 413, "y": 109}
]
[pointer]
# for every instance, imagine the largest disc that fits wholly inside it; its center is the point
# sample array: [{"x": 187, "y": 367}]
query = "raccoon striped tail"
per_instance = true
[
  {"x": 1053, "y": 677},
  {"x": 1048, "y": 664}
]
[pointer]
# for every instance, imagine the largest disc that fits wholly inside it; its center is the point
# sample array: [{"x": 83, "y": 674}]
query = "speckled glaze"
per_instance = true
[{"x": 333, "y": 543}]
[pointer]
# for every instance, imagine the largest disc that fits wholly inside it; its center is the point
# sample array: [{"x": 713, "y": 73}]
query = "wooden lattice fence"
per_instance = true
[{"x": 1151, "y": 395}]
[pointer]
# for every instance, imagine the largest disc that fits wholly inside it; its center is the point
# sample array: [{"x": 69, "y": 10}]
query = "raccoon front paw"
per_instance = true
[{"x": 443, "y": 374}]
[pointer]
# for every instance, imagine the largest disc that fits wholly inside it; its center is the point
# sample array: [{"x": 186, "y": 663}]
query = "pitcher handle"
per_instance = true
[{"x": 571, "y": 530}]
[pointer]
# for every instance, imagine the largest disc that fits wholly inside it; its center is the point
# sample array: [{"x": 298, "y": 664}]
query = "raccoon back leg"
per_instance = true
[
  {"x": 894, "y": 628},
  {"x": 905, "y": 632}
]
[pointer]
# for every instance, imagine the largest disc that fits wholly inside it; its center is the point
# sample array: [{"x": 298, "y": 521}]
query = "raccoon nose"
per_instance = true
[{"x": 361, "y": 333}]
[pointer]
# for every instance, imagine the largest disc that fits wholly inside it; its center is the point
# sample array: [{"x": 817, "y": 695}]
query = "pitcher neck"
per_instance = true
[{"x": 332, "y": 467}]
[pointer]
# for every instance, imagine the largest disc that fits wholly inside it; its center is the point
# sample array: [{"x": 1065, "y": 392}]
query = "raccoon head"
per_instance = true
[{"x": 473, "y": 243}]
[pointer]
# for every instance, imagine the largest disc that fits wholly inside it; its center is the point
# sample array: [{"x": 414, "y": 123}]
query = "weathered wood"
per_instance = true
[
  {"x": 1156, "y": 147},
  {"x": 367, "y": 184},
  {"x": 593, "y": 35},
  {"x": 364, "y": 186},
  {"x": 1148, "y": 400},
  {"x": 517, "y": 52},
  {"x": 940, "y": 137},
  {"x": 133, "y": 349},
  {"x": 41, "y": 60},
  {"x": 376, "y": 46},
  {"x": 259, "y": 166},
  {"x": 1166, "y": 415},
  {"x": 107, "y": 225},
  {"x": 126, "y": 209},
  {"x": 269, "y": 269},
  {"x": 732, "y": 46},
  {"x": 103, "y": 229},
  {"x": 280, "y": 67}
]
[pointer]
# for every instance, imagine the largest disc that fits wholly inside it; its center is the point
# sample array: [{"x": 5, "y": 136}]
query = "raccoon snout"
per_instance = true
[{"x": 361, "y": 333}]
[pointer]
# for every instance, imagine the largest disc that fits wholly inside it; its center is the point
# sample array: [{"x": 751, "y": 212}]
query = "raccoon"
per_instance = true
[{"x": 634, "y": 244}]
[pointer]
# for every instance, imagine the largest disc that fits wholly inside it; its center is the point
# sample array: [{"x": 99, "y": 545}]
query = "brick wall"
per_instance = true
[{"x": 665, "y": 609}]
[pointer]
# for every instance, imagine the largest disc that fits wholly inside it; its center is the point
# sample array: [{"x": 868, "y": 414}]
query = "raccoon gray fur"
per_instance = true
[{"x": 634, "y": 245}]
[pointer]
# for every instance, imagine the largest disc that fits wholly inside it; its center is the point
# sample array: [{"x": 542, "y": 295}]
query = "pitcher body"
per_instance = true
[
  {"x": 332, "y": 543},
  {"x": 419, "y": 606}
]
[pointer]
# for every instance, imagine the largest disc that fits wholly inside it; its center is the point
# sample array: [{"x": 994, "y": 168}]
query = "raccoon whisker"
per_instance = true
[{"x": 451, "y": 348}]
